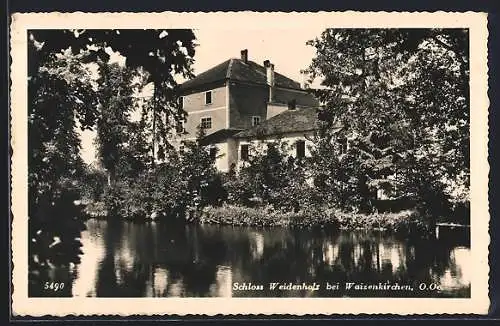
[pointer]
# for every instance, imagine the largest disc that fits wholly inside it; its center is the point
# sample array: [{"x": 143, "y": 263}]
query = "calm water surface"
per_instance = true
[{"x": 124, "y": 259}]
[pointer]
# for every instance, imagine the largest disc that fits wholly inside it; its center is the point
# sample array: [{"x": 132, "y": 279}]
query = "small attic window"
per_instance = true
[
  {"x": 208, "y": 97},
  {"x": 255, "y": 120}
]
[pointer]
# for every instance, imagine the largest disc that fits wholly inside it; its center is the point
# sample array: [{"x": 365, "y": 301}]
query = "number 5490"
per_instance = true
[{"x": 54, "y": 286}]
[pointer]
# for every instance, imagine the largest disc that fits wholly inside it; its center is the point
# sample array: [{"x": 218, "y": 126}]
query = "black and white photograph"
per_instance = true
[{"x": 251, "y": 161}]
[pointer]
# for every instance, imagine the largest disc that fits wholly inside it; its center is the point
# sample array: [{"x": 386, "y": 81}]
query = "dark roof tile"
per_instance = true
[
  {"x": 214, "y": 74},
  {"x": 238, "y": 70},
  {"x": 219, "y": 135},
  {"x": 297, "y": 120}
]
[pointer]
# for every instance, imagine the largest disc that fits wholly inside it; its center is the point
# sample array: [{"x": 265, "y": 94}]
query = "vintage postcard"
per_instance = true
[{"x": 249, "y": 163}]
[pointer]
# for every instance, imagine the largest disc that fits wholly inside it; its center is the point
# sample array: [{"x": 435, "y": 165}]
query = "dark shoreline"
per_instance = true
[{"x": 403, "y": 221}]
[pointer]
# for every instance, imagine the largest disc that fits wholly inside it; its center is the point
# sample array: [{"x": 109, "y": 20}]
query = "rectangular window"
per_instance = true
[
  {"x": 343, "y": 145},
  {"x": 206, "y": 123},
  {"x": 255, "y": 120},
  {"x": 180, "y": 127},
  {"x": 301, "y": 148},
  {"x": 213, "y": 152},
  {"x": 208, "y": 97},
  {"x": 181, "y": 102},
  {"x": 244, "y": 152}
]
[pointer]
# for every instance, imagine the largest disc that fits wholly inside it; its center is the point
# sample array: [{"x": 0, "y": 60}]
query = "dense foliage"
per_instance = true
[
  {"x": 116, "y": 104},
  {"x": 61, "y": 98},
  {"x": 403, "y": 99},
  {"x": 270, "y": 176},
  {"x": 174, "y": 189}
]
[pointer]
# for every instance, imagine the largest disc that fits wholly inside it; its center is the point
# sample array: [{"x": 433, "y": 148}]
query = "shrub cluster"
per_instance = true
[
  {"x": 177, "y": 188},
  {"x": 406, "y": 222},
  {"x": 270, "y": 189}
]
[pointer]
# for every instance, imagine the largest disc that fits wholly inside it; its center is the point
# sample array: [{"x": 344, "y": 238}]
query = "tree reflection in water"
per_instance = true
[{"x": 136, "y": 260}]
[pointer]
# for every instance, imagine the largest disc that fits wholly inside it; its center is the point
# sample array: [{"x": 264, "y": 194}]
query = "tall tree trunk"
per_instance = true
[
  {"x": 154, "y": 122},
  {"x": 111, "y": 176}
]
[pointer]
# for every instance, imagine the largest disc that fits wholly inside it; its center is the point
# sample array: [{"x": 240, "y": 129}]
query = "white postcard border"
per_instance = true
[{"x": 479, "y": 301}]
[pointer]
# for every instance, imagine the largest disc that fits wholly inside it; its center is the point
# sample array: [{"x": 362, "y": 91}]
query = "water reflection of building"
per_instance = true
[
  {"x": 142, "y": 260},
  {"x": 330, "y": 253},
  {"x": 223, "y": 283},
  {"x": 459, "y": 271},
  {"x": 391, "y": 256},
  {"x": 176, "y": 288},
  {"x": 123, "y": 262},
  {"x": 364, "y": 254},
  {"x": 93, "y": 253},
  {"x": 256, "y": 244},
  {"x": 160, "y": 282}
]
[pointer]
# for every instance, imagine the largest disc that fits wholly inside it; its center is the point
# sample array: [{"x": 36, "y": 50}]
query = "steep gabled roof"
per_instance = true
[
  {"x": 238, "y": 70},
  {"x": 290, "y": 121}
]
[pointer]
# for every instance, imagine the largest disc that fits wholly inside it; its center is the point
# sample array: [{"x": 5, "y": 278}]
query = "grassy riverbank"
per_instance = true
[{"x": 405, "y": 221}]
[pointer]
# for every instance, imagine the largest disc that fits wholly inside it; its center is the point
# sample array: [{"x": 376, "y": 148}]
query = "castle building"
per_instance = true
[{"x": 239, "y": 101}]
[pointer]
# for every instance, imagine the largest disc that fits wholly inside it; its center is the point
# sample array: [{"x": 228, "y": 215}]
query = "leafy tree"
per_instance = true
[
  {"x": 137, "y": 153},
  {"x": 197, "y": 169},
  {"x": 123, "y": 142},
  {"x": 92, "y": 183},
  {"x": 402, "y": 98},
  {"x": 115, "y": 91},
  {"x": 177, "y": 187},
  {"x": 61, "y": 98},
  {"x": 162, "y": 53},
  {"x": 270, "y": 176},
  {"x": 336, "y": 172}
]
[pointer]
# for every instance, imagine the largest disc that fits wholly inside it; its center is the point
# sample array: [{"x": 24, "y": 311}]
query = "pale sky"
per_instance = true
[{"x": 285, "y": 48}]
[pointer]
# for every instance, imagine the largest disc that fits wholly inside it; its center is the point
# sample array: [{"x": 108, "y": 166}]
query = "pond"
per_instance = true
[{"x": 123, "y": 259}]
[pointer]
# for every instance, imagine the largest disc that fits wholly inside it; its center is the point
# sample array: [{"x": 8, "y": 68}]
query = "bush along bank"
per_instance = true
[
  {"x": 404, "y": 222},
  {"x": 271, "y": 189},
  {"x": 95, "y": 209}
]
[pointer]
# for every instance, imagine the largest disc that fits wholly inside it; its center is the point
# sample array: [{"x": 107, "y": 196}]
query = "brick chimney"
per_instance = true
[
  {"x": 304, "y": 83},
  {"x": 270, "y": 78},
  {"x": 244, "y": 55}
]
